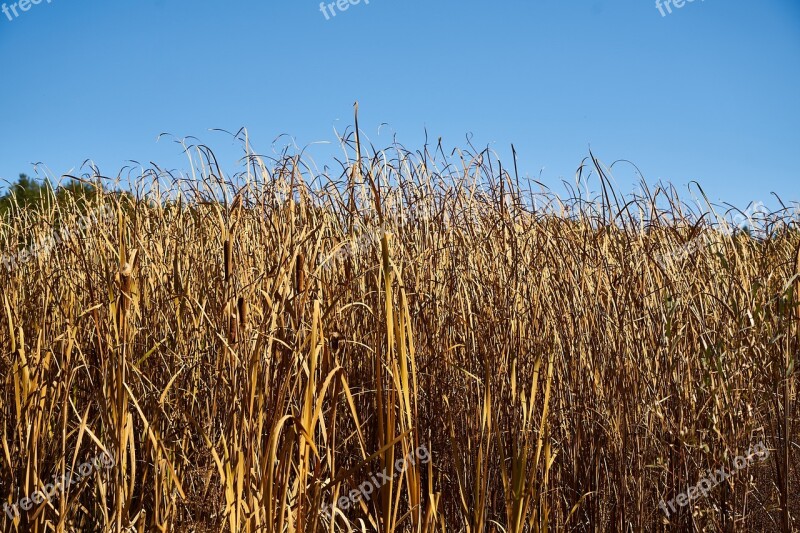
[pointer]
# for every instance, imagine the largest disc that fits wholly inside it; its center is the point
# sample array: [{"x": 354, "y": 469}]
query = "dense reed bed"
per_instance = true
[{"x": 253, "y": 348}]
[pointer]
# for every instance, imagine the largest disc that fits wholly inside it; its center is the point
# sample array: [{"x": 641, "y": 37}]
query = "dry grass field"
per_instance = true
[{"x": 259, "y": 351}]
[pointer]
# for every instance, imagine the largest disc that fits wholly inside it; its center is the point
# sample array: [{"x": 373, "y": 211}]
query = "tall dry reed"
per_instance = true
[{"x": 252, "y": 349}]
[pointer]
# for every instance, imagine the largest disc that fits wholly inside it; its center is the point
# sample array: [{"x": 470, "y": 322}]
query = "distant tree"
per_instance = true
[
  {"x": 25, "y": 193},
  {"x": 77, "y": 189}
]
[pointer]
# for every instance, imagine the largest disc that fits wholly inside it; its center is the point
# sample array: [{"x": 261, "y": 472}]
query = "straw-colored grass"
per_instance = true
[{"x": 250, "y": 349}]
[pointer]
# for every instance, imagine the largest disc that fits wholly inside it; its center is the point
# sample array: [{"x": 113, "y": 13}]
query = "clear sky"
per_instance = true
[{"x": 707, "y": 93}]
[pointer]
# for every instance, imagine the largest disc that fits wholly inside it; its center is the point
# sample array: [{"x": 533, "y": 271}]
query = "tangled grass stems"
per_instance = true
[{"x": 246, "y": 375}]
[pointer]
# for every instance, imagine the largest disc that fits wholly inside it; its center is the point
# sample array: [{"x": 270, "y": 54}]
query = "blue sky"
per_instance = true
[{"x": 707, "y": 93}]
